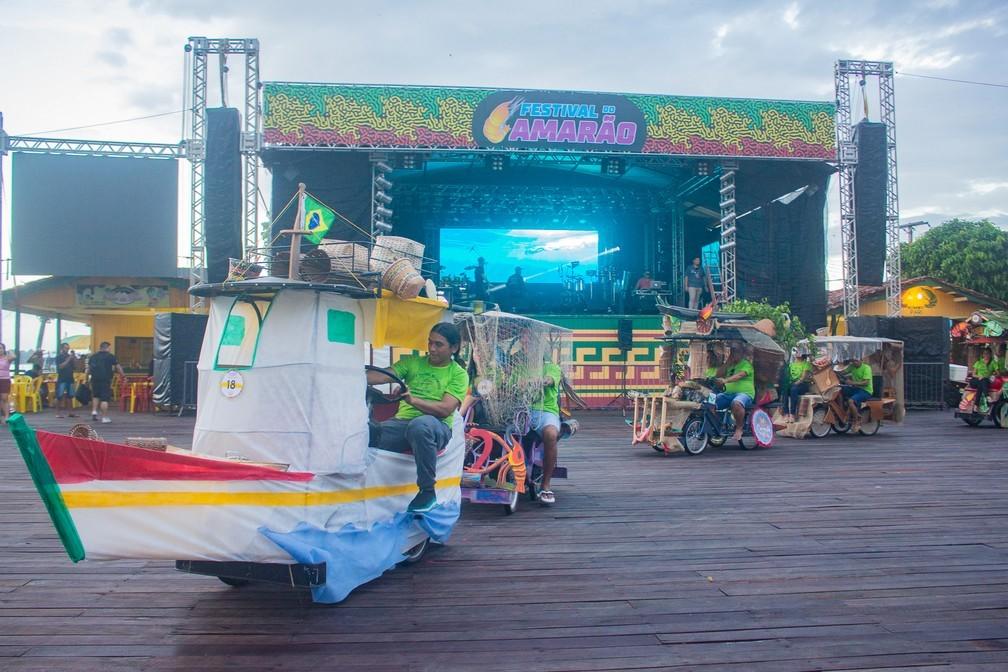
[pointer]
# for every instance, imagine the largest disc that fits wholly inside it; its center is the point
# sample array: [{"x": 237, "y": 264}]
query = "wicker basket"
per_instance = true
[
  {"x": 402, "y": 279},
  {"x": 334, "y": 262},
  {"x": 388, "y": 249},
  {"x": 151, "y": 442}
]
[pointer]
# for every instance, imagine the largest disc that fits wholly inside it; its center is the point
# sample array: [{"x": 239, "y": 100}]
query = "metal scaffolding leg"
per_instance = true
[
  {"x": 893, "y": 266},
  {"x": 250, "y": 146},
  {"x": 728, "y": 286},
  {"x": 848, "y": 163},
  {"x": 196, "y": 152},
  {"x": 883, "y": 71}
]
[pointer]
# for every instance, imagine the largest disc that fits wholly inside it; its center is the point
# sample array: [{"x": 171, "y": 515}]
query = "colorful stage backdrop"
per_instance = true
[{"x": 403, "y": 117}]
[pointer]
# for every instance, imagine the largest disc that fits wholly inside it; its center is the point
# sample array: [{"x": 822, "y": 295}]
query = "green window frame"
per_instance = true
[{"x": 239, "y": 340}]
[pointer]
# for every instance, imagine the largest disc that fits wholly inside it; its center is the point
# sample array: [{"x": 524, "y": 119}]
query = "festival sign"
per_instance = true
[
  {"x": 558, "y": 120},
  {"x": 344, "y": 116},
  {"x": 123, "y": 296}
]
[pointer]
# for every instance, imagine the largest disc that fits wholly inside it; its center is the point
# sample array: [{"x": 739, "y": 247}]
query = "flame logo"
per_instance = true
[{"x": 498, "y": 122}]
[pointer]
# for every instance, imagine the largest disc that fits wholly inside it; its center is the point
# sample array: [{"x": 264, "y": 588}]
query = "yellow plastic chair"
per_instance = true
[
  {"x": 29, "y": 396},
  {"x": 21, "y": 390}
]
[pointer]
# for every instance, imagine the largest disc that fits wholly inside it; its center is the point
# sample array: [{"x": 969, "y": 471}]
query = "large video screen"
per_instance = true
[
  {"x": 92, "y": 215},
  {"x": 544, "y": 255}
]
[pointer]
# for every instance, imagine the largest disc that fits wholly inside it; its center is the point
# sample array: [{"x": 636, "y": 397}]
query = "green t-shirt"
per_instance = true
[
  {"x": 983, "y": 370},
  {"x": 745, "y": 386},
  {"x": 429, "y": 383},
  {"x": 860, "y": 374},
  {"x": 549, "y": 401},
  {"x": 797, "y": 369},
  {"x": 711, "y": 372},
  {"x": 1000, "y": 362}
]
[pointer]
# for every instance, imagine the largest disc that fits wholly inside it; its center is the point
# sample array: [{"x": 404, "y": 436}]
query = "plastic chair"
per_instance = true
[{"x": 25, "y": 391}]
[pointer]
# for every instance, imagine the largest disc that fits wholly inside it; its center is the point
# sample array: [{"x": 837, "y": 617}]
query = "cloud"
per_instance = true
[
  {"x": 119, "y": 37},
  {"x": 113, "y": 58},
  {"x": 719, "y": 35},
  {"x": 790, "y": 16},
  {"x": 984, "y": 187}
]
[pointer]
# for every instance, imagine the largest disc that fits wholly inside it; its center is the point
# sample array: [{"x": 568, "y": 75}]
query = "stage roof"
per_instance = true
[{"x": 349, "y": 116}]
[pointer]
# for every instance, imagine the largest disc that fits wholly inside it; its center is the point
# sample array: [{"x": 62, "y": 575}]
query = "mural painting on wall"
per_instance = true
[
  {"x": 122, "y": 296},
  {"x": 331, "y": 115}
]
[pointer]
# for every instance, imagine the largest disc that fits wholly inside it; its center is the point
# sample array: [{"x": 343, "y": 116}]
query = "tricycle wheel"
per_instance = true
[
  {"x": 999, "y": 414},
  {"x": 869, "y": 427},
  {"x": 819, "y": 427},
  {"x": 234, "y": 583},
  {"x": 842, "y": 426},
  {"x": 414, "y": 554},
  {"x": 512, "y": 505},
  {"x": 973, "y": 419},
  {"x": 695, "y": 440}
]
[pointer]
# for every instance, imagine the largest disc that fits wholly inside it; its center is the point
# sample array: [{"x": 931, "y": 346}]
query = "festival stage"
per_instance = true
[{"x": 583, "y": 191}]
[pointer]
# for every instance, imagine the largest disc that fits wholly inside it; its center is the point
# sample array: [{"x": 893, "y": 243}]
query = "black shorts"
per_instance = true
[{"x": 101, "y": 389}]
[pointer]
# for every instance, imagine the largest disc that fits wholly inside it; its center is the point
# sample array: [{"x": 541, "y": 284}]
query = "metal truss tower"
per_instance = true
[
  {"x": 728, "y": 284},
  {"x": 848, "y": 159},
  {"x": 251, "y": 141}
]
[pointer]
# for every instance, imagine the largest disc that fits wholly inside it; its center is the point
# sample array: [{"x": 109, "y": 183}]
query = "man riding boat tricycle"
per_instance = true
[
  {"x": 981, "y": 342},
  {"x": 856, "y": 384},
  {"x": 290, "y": 477},
  {"x": 515, "y": 417},
  {"x": 721, "y": 394}
]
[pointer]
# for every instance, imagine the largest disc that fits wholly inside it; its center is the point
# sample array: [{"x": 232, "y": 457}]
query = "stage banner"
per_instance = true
[
  {"x": 402, "y": 117},
  {"x": 123, "y": 296}
]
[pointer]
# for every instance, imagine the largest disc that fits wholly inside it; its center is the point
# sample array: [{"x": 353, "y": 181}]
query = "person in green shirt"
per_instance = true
[
  {"x": 740, "y": 388},
  {"x": 800, "y": 375},
  {"x": 435, "y": 386},
  {"x": 857, "y": 389},
  {"x": 545, "y": 420},
  {"x": 983, "y": 372},
  {"x": 1001, "y": 360}
]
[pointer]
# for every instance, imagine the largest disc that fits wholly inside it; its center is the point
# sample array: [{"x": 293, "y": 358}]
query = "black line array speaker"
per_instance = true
[
  {"x": 624, "y": 334},
  {"x": 870, "y": 201},
  {"x": 178, "y": 338},
  {"x": 222, "y": 215}
]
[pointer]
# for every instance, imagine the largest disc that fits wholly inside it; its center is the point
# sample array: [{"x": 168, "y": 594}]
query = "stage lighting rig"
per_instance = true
[
  {"x": 382, "y": 183},
  {"x": 382, "y": 197},
  {"x": 497, "y": 162},
  {"x": 702, "y": 168},
  {"x": 383, "y": 167},
  {"x": 410, "y": 161},
  {"x": 613, "y": 166}
]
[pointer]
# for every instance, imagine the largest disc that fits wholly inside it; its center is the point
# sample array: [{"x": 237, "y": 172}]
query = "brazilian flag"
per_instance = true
[{"x": 317, "y": 219}]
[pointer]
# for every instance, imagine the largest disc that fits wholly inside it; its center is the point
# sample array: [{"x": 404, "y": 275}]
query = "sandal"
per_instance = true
[{"x": 546, "y": 498}]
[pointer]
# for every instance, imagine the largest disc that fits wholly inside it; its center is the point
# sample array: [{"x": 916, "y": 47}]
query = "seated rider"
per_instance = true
[
  {"x": 545, "y": 420},
  {"x": 800, "y": 376},
  {"x": 857, "y": 389},
  {"x": 740, "y": 388},
  {"x": 983, "y": 374},
  {"x": 435, "y": 385},
  {"x": 713, "y": 361}
]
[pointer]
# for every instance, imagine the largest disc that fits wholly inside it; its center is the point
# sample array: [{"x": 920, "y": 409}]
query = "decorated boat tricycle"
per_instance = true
[
  {"x": 687, "y": 416},
  {"x": 517, "y": 369},
  {"x": 834, "y": 361},
  {"x": 979, "y": 344},
  {"x": 282, "y": 481}
]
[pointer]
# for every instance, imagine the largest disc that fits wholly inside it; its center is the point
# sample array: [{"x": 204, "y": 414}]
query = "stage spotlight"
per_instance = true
[
  {"x": 383, "y": 198},
  {"x": 497, "y": 162},
  {"x": 613, "y": 166},
  {"x": 702, "y": 168},
  {"x": 410, "y": 161},
  {"x": 382, "y": 227},
  {"x": 383, "y": 167},
  {"x": 384, "y": 213},
  {"x": 382, "y": 183}
]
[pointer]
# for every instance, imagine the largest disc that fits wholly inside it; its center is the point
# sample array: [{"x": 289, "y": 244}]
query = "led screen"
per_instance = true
[{"x": 544, "y": 255}]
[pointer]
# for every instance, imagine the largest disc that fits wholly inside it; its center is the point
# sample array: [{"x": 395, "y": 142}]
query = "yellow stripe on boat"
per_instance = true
[{"x": 93, "y": 499}]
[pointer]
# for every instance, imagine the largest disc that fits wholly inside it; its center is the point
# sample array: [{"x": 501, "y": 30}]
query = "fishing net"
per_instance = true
[{"x": 509, "y": 356}]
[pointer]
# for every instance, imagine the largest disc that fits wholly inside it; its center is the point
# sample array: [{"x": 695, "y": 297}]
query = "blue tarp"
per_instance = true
[{"x": 354, "y": 556}]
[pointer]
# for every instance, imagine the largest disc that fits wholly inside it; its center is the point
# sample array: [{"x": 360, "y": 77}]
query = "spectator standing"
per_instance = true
[
  {"x": 5, "y": 381},
  {"x": 66, "y": 364},
  {"x": 697, "y": 280},
  {"x": 101, "y": 366}
]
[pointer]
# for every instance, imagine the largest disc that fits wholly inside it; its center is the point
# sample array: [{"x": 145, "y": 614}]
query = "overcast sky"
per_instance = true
[{"x": 73, "y": 64}]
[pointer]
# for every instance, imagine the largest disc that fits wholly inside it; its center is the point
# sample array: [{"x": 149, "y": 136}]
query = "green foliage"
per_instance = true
[
  {"x": 971, "y": 254},
  {"x": 789, "y": 328}
]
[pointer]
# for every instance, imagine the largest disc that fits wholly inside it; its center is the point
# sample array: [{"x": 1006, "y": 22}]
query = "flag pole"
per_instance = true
[{"x": 295, "y": 243}]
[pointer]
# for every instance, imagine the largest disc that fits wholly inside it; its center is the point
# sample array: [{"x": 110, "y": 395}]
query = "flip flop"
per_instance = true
[{"x": 546, "y": 497}]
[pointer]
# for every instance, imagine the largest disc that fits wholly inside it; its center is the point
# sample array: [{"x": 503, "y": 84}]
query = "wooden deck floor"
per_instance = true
[{"x": 859, "y": 553}]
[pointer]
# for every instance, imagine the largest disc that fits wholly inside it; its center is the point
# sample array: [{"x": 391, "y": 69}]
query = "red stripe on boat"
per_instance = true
[{"x": 75, "y": 460}]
